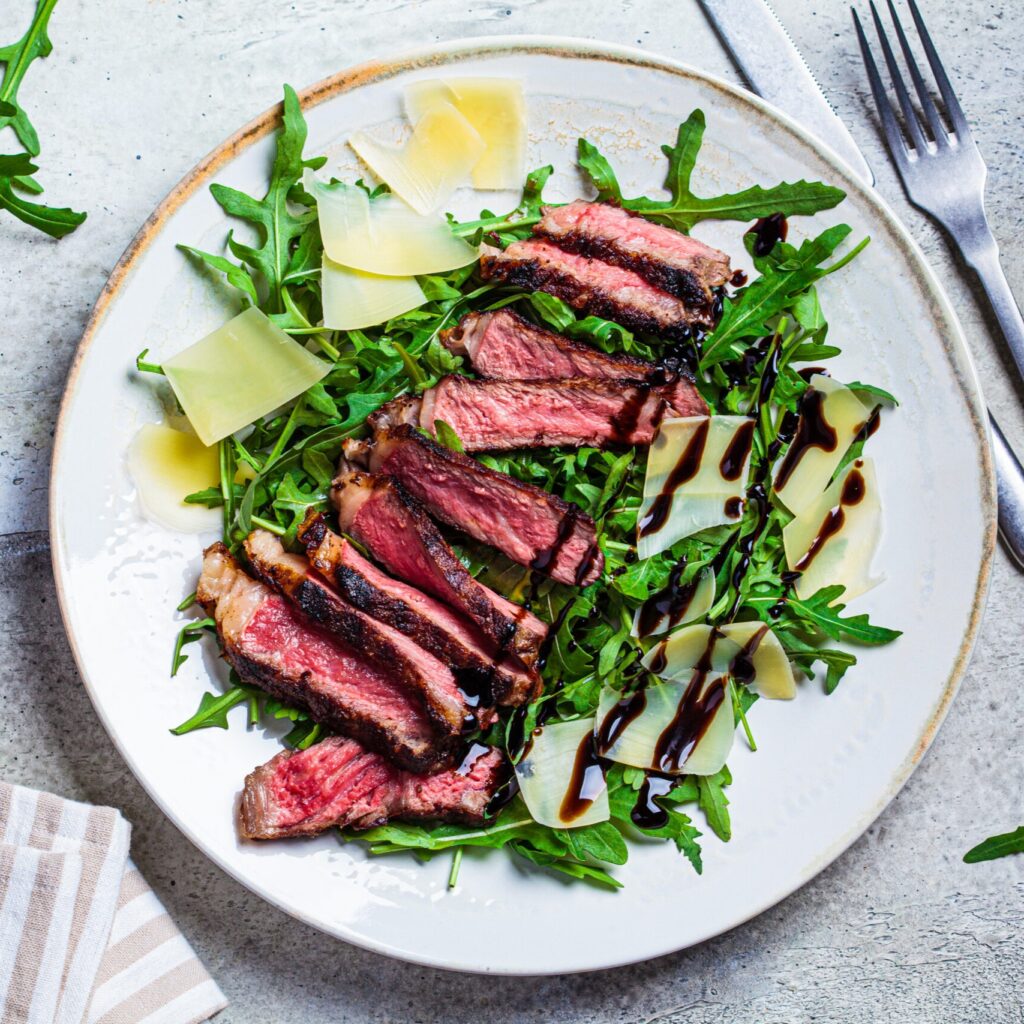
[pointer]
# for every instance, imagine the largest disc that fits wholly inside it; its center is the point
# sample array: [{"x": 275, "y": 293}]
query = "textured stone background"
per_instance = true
[{"x": 897, "y": 929}]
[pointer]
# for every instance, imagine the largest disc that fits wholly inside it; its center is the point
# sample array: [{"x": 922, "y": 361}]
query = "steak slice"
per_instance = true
[
  {"x": 505, "y": 345},
  {"x": 482, "y": 673},
  {"x": 389, "y": 649},
  {"x": 493, "y": 415},
  {"x": 380, "y": 514},
  {"x": 272, "y": 646},
  {"x": 530, "y": 525},
  {"x": 668, "y": 259},
  {"x": 339, "y": 783},
  {"x": 597, "y": 288}
]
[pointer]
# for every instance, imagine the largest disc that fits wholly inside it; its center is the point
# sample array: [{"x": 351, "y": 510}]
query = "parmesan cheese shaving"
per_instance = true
[{"x": 354, "y": 299}]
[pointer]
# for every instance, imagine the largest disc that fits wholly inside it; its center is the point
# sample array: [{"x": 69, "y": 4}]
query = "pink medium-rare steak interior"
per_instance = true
[
  {"x": 271, "y": 645},
  {"x": 530, "y": 525},
  {"x": 338, "y": 783},
  {"x": 388, "y": 648},
  {"x": 597, "y": 288},
  {"x": 504, "y": 345},
  {"x": 498, "y": 415},
  {"x": 432, "y": 624},
  {"x": 668, "y": 259},
  {"x": 378, "y": 513}
]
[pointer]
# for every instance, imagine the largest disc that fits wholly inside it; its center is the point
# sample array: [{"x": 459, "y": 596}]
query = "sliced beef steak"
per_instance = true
[
  {"x": 272, "y": 646},
  {"x": 594, "y": 287},
  {"x": 339, "y": 783},
  {"x": 482, "y": 673},
  {"x": 502, "y": 344},
  {"x": 380, "y": 514},
  {"x": 494, "y": 415},
  {"x": 670, "y": 260},
  {"x": 530, "y": 525},
  {"x": 391, "y": 650}
]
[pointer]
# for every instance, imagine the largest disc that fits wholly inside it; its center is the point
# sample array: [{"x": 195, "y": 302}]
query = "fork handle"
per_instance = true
[
  {"x": 1010, "y": 487},
  {"x": 982, "y": 252}
]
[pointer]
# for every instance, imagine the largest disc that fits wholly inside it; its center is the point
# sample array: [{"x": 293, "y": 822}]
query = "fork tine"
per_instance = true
[
  {"x": 909, "y": 114},
  {"x": 890, "y": 127},
  {"x": 927, "y": 103},
  {"x": 956, "y": 114}
]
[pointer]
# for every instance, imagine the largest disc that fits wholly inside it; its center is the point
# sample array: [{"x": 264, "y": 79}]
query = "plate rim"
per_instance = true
[{"x": 444, "y": 53}]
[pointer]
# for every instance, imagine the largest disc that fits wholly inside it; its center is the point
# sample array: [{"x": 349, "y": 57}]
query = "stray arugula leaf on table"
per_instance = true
[
  {"x": 997, "y": 846},
  {"x": 17, "y": 171}
]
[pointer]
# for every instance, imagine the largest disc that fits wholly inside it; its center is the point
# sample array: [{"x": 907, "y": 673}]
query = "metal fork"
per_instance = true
[{"x": 944, "y": 175}]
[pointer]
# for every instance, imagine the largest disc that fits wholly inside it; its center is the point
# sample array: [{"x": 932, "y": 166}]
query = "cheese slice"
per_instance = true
[
  {"x": 496, "y": 108},
  {"x": 561, "y": 782},
  {"x": 696, "y": 478},
  {"x": 657, "y": 614},
  {"x": 354, "y": 299},
  {"x": 239, "y": 373},
  {"x": 383, "y": 236},
  {"x": 834, "y": 540},
  {"x": 433, "y": 163},
  {"x": 829, "y": 411},
  {"x": 662, "y": 739}
]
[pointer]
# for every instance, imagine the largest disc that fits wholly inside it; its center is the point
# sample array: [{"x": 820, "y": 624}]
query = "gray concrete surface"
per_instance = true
[{"x": 898, "y": 929}]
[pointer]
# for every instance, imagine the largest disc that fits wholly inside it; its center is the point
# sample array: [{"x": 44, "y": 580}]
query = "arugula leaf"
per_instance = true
[
  {"x": 235, "y": 274},
  {"x": 447, "y": 436},
  {"x": 748, "y": 312},
  {"x": 997, "y": 846},
  {"x": 715, "y": 805},
  {"x": 213, "y": 710},
  {"x": 823, "y": 611},
  {"x": 189, "y": 633},
  {"x": 275, "y": 220},
  {"x": 16, "y": 170},
  {"x": 17, "y": 57},
  {"x": 685, "y": 209}
]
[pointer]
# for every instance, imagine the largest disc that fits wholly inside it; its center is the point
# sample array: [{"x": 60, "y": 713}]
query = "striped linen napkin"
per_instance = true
[{"x": 82, "y": 936}]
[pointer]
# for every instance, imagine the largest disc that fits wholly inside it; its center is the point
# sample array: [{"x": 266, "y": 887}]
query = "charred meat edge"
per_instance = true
[
  {"x": 321, "y": 708},
  {"x": 512, "y": 682},
  {"x": 314, "y": 597},
  {"x": 474, "y": 598}
]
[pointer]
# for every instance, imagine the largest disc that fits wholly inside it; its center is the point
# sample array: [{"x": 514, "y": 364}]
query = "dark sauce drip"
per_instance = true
[
  {"x": 870, "y": 425},
  {"x": 659, "y": 660},
  {"x": 622, "y": 714},
  {"x": 717, "y": 304},
  {"x": 738, "y": 279},
  {"x": 673, "y": 602},
  {"x": 476, "y": 686},
  {"x": 813, "y": 371},
  {"x": 788, "y": 578},
  {"x": 813, "y": 431},
  {"x": 585, "y": 784},
  {"x": 505, "y": 791},
  {"x": 647, "y": 812},
  {"x": 767, "y": 232},
  {"x": 736, "y": 454},
  {"x": 624, "y": 422},
  {"x": 693, "y": 715},
  {"x": 852, "y": 494},
  {"x": 741, "y": 668},
  {"x": 475, "y": 752},
  {"x": 685, "y": 469},
  {"x": 682, "y": 355},
  {"x": 734, "y": 507}
]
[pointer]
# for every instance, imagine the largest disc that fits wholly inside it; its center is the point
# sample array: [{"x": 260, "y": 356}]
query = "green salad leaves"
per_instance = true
[
  {"x": 287, "y": 463},
  {"x": 17, "y": 170}
]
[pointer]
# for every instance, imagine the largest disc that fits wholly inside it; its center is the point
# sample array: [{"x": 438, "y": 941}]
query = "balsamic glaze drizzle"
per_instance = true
[{"x": 685, "y": 469}]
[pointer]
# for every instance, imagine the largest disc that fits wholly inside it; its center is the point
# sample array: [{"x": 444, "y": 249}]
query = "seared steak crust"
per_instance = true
[
  {"x": 596, "y": 288},
  {"x": 671, "y": 261},
  {"x": 391, "y": 650},
  {"x": 339, "y": 783},
  {"x": 532, "y": 526},
  {"x": 478, "y": 666},
  {"x": 274, "y": 647},
  {"x": 504, "y": 345},
  {"x": 393, "y": 526}
]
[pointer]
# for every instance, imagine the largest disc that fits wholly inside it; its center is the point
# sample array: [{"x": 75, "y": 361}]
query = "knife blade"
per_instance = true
[{"x": 776, "y": 70}]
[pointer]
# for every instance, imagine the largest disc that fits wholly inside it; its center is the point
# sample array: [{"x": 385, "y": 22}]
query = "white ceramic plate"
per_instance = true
[{"x": 826, "y": 766}]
